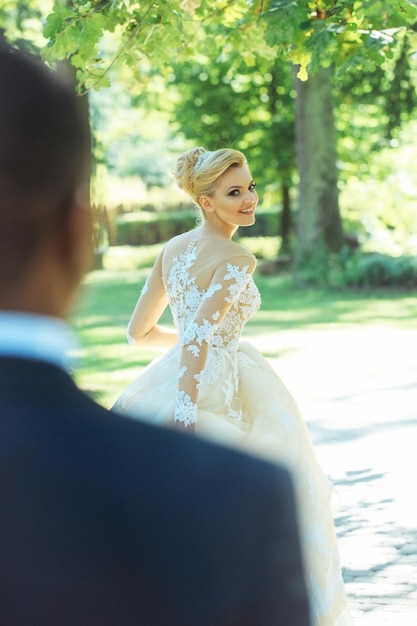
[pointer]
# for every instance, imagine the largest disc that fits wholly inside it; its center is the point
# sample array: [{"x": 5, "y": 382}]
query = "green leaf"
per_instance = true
[
  {"x": 220, "y": 30},
  {"x": 55, "y": 21}
]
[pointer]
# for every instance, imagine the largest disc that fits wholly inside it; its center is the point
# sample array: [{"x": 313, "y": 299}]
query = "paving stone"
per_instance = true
[
  {"x": 363, "y": 422},
  {"x": 377, "y": 521}
]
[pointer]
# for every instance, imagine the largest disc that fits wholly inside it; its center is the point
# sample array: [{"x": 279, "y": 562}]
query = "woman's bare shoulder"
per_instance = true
[
  {"x": 180, "y": 242},
  {"x": 237, "y": 248},
  {"x": 232, "y": 252},
  {"x": 211, "y": 251}
]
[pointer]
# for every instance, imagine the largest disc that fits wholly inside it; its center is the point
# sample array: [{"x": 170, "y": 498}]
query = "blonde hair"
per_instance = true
[{"x": 198, "y": 170}]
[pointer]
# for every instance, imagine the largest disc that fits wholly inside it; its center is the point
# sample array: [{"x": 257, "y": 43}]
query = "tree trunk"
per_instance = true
[
  {"x": 319, "y": 226},
  {"x": 285, "y": 221}
]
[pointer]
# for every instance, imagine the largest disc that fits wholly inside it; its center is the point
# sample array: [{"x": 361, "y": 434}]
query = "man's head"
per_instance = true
[{"x": 44, "y": 163}]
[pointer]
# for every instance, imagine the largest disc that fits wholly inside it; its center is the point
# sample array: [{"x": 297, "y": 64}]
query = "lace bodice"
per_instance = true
[
  {"x": 228, "y": 303},
  {"x": 209, "y": 322},
  {"x": 211, "y": 297}
]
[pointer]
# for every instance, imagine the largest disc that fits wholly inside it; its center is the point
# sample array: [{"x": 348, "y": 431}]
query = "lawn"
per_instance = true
[{"x": 290, "y": 319}]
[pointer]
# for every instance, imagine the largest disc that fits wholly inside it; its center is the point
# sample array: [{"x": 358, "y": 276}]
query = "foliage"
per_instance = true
[
  {"x": 358, "y": 270},
  {"x": 21, "y": 23},
  {"x": 145, "y": 227},
  {"x": 135, "y": 142},
  {"x": 320, "y": 268},
  {"x": 266, "y": 223},
  {"x": 263, "y": 247},
  {"x": 247, "y": 108},
  {"x": 311, "y": 34},
  {"x": 378, "y": 101},
  {"x": 75, "y": 30},
  {"x": 124, "y": 258},
  {"x": 379, "y": 270},
  {"x": 378, "y": 198},
  {"x": 344, "y": 33}
]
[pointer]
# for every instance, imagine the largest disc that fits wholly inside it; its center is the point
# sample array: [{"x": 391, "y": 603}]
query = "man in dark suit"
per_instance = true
[{"x": 106, "y": 520}]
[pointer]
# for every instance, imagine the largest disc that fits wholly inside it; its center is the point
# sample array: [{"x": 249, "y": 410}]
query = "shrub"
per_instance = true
[
  {"x": 266, "y": 224},
  {"x": 364, "y": 270},
  {"x": 380, "y": 270},
  {"x": 141, "y": 228},
  {"x": 261, "y": 247},
  {"x": 145, "y": 228}
]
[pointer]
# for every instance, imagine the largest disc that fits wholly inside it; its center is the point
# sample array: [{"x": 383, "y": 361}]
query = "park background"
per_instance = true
[{"x": 321, "y": 96}]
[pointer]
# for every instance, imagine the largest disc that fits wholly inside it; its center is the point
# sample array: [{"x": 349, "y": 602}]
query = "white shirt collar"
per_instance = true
[{"x": 36, "y": 337}]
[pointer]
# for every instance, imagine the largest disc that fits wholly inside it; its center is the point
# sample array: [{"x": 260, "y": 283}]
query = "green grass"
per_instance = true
[
  {"x": 105, "y": 364},
  {"x": 292, "y": 307}
]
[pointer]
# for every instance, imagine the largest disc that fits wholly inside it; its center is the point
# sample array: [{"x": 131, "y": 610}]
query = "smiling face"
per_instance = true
[{"x": 233, "y": 203}]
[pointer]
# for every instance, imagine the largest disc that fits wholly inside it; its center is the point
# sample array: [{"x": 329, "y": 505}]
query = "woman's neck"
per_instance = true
[{"x": 225, "y": 231}]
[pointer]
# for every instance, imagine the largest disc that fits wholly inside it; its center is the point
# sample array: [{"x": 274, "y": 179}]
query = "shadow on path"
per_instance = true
[{"x": 373, "y": 466}]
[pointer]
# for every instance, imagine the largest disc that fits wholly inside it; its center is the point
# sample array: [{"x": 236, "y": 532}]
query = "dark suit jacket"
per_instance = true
[{"x": 105, "y": 520}]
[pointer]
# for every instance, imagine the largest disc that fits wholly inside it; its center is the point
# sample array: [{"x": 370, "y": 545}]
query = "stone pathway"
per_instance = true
[
  {"x": 358, "y": 393},
  {"x": 371, "y": 459}
]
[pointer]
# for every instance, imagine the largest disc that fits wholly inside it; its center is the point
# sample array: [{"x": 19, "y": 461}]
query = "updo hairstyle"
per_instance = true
[{"x": 197, "y": 171}]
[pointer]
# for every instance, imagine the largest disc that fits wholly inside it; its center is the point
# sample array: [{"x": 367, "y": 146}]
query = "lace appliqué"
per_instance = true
[
  {"x": 145, "y": 287},
  {"x": 239, "y": 276},
  {"x": 130, "y": 340},
  {"x": 185, "y": 409},
  {"x": 235, "y": 300},
  {"x": 198, "y": 333}
]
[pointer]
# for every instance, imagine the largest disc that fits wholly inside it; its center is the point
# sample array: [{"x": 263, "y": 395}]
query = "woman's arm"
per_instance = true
[{"x": 143, "y": 328}]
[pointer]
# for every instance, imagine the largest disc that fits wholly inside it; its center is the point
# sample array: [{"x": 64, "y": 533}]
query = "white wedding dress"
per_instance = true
[{"x": 241, "y": 401}]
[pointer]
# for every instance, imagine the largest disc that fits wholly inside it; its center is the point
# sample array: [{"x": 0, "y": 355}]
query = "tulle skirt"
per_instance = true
[{"x": 272, "y": 428}]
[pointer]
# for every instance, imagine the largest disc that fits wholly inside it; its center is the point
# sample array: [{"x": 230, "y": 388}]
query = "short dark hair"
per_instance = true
[{"x": 44, "y": 154}]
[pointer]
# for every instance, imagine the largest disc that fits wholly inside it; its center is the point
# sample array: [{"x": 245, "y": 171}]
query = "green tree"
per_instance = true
[
  {"x": 135, "y": 142},
  {"x": 21, "y": 23},
  {"x": 321, "y": 37},
  {"x": 390, "y": 89},
  {"x": 251, "y": 109}
]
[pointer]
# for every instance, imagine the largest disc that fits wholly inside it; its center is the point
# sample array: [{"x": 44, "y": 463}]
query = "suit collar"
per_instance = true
[{"x": 35, "y": 337}]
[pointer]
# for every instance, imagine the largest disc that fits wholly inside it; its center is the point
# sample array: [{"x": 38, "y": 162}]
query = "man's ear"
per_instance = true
[{"x": 205, "y": 203}]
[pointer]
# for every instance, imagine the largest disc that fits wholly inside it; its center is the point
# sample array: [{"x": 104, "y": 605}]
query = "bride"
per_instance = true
[{"x": 212, "y": 384}]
